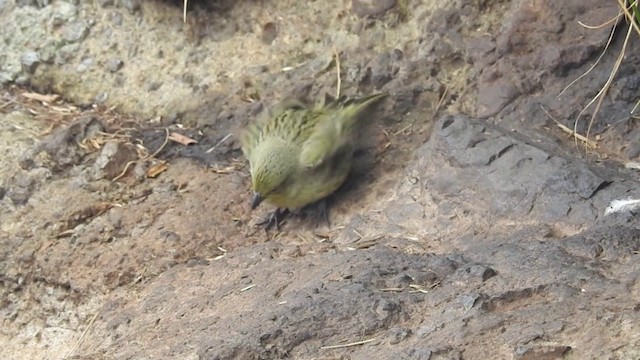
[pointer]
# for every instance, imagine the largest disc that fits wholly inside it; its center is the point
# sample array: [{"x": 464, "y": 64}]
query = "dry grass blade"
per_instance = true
[
  {"x": 247, "y": 288},
  {"x": 392, "y": 289},
  {"x": 604, "y": 51},
  {"x": 95, "y": 142},
  {"x": 605, "y": 88},
  {"x": 595, "y": 27},
  {"x": 628, "y": 14},
  {"x": 84, "y": 333},
  {"x": 337, "y": 56},
  {"x": 635, "y": 108},
  {"x": 347, "y": 345},
  {"x": 225, "y": 170},
  {"x": 157, "y": 169},
  {"x": 184, "y": 11},
  {"x": 418, "y": 289},
  {"x": 599, "y": 98},
  {"x": 443, "y": 97},
  {"x": 219, "y": 143},
  {"x": 126, "y": 167},
  {"x": 6, "y": 103},
  {"x": 48, "y": 98},
  {"x": 590, "y": 143},
  {"x": 402, "y": 131}
]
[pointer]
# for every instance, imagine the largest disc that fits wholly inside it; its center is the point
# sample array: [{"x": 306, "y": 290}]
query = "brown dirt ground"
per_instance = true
[{"x": 170, "y": 266}]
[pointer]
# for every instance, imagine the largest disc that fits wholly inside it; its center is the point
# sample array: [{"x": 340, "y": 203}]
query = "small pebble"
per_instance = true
[
  {"x": 75, "y": 31},
  {"x": 132, "y": 5},
  {"x": 30, "y": 61},
  {"x": 114, "y": 65}
]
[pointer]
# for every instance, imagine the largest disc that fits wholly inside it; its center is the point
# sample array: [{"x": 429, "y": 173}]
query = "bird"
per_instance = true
[{"x": 298, "y": 154}]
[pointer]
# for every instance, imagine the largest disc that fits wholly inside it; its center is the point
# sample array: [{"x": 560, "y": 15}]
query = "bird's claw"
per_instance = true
[{"x": 273, "y": 219}]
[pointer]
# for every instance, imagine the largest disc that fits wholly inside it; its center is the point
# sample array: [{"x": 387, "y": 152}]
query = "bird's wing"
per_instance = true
[
  {"x": 334, "y": 129},
  {"x": 323, "y": 141},
  {"x": 268, "y": 120},
  {"x": 249, "y": 137}
]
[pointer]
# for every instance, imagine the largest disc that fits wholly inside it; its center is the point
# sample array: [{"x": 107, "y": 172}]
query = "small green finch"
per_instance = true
[{"x": 300, "y": 155}]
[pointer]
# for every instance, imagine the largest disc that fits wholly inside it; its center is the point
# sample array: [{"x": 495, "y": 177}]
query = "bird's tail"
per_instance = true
[
  {"x": 351, "y": 111},
  {"x": 338, "y": 128},
  {"x": 356, "y": 104}
]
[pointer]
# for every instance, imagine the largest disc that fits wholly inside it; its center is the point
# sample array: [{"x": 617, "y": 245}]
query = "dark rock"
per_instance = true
[
  {"x": 30, "y": 61},
  {"x": 383, "y": 68},
  {"x": 63, "y": 11},
  {"x": 489, "y": 161},
  {"x": 66, "y": 53},
  {"x": 114, "y": 65},
  {"x": 101, "y": 97},
  {"x": 74, "y": 32},
  {"x": 404, "y": 101},
  {"x": 496, "y": 93},
  {"x": 269, "y": 33},
  {"x": 23, "y": 183},
  {"x": 476, "y": 273},
  {"x": 85, "y": 64},
  {"x": 398, "y": 335},
  {"x": 34, "y": 3},
  {"x": 113, "y": 160},
  {"x": 22, "y": 3},
  {"x": 443, "y": 21},
  {"x": 154, "y": 85},
  {"x": 536, "y": 53},
  {"x": 481, "y": 51},
  {"x": 62, "y": 145},
  {"x": 116, "y": 18},
  {"x": 420, "y": 354},
  {"x": 132, "y": 5},
  {"x": 363, "y": 8},
  {"x": 542, "y": 352},
  {"x": 467, "y": 301},
  {"x": 170, "y": 236}
]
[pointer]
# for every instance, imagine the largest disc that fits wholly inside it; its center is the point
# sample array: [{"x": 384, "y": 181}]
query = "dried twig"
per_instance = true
[
  {"x": 442, "y": 99},
  {"x": 604, "y": 51},
  {"x": 628, "y": 14},
  {"x": 595, "y": 27},
  {"x": 337, "y": 56},
  {"x": 606, "y": 86},
  {"x": 75, "y": 346},
  {"x": 592, "y": 144},
  {"x": 184, "y": 11},
  {"x": 247, "y": 288},
  {"x": 126, "y": 167},
  {"x": 219, "y": 143},
  {"x": 347, "y": 345}
]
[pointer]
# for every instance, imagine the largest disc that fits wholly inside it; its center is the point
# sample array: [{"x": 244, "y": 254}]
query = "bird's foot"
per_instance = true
[
  {"x": 273, "y": 219},
  {"x": 318, "y": 212}
]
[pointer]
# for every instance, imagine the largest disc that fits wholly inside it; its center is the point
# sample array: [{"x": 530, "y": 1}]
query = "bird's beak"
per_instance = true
[{"x": 256, "y": 200}]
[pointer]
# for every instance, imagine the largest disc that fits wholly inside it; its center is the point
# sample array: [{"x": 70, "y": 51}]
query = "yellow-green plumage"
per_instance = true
[{"x": 300, "y": 155}]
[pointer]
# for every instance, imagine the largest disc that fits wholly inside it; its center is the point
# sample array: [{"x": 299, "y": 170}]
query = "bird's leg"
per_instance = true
[
  {"x": 273, "y": 219},
  {"x": 318, "y": 211},
  {"x": 323, "y": 213}
]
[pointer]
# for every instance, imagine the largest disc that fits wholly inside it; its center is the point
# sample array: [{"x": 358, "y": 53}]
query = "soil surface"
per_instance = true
[{"x": 473, "y": 226}]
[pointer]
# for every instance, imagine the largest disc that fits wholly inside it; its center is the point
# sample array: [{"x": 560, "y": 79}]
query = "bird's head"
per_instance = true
[{"x": 273, "y": 166}]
